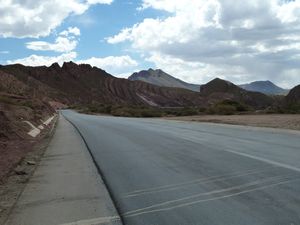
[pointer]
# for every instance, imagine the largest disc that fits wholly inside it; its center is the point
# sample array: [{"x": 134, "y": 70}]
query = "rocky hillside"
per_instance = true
[
  {"x": 293, "y": 98},
  {"x": 74, "y": 84},
  {"x": 82, "y": 84},
  {"x": 294, "y": 95},
  {"x": 19, "y": 105},
  {"x": 160, "y": 78},
  {"x": 266, "y": 87},
  {"x": 219, "y": 89}
]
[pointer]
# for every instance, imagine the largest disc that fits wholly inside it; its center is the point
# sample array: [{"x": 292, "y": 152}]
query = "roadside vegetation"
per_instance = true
[
  {"x": 138, "y": 111},
  {"x": 225, "y": 107},
  {"x": 228, "y": 107}
]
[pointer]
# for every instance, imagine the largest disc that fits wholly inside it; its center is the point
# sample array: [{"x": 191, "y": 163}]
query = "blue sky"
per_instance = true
[
  {"x": 96, "y": 24},
  {"x": 194, "y": 40}
]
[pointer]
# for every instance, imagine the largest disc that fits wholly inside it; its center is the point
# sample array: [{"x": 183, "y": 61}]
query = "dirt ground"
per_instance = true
[
  {"x": 270, "y": 120},
  {"x": 20, "y": 162}
]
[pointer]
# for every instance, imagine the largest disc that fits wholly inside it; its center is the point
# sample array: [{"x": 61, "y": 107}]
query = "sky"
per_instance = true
[{"x": 193, "y": 40}]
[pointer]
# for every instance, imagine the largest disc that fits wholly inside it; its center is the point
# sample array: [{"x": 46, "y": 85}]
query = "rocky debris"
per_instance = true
[
  {"x": 20, "y": 172},
  {"x": 31, "y": 163}
]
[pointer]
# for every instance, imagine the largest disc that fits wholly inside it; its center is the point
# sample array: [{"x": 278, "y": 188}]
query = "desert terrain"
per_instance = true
[{"x": 281, "y": 121}]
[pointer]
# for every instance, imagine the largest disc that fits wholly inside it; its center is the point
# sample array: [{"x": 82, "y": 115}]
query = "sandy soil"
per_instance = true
[{"x": 275, "y": 121}]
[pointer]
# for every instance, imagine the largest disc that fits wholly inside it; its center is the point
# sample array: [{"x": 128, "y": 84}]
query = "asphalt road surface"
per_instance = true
[{"x": 163, "y": 172}]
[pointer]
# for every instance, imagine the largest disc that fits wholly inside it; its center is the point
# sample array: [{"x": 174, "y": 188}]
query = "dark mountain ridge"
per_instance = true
[
  {"x": 266, "y": 87},
  {"x": 83, "y": 84},
  {"x": 293, "y": 98},
  {"x": 73, "y": 84},
  {"x": 161, "y": 78},
  {"x": 221, "y": 89}
]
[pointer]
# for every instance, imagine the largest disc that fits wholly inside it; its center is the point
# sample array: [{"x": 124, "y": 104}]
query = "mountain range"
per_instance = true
[
  {"x": 161, "y": 78},
  {"x": 219, "y": 89},
  {"x": 266, "y": 87},
  {"x": 72, "y": 84}
]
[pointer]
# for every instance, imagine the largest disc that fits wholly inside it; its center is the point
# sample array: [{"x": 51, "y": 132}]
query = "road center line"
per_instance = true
[{"x": 264, "y": 160}]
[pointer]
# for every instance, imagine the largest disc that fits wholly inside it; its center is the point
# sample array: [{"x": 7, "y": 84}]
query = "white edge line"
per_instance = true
[{"x": 95, "y": 221}]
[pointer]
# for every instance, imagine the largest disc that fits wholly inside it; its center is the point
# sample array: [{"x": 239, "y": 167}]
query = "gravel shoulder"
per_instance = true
[{"x": 291, "y": 122}]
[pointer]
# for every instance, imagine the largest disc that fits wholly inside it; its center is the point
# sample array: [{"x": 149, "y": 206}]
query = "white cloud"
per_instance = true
[
  {"x": 66, "y": 42},
  {"x": 37, "y": 18},
  {"x": 71, "y": 31},
  {"x": 62, "y": 44},
  {"x": 121, "y": 66},
  {"x": 124, "y": 35},
  {"x": 237, "y": 40},
  {"x": 4, "y": 52},
  {"x": 113, "y": 64},
  {"x": 35, "y": 60},
  {"x": 100, "y": 1}
]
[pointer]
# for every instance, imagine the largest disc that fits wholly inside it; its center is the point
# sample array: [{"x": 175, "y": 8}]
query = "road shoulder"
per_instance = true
[
  {"x": 276, "y": 121},
  {"x": 66, "y": 188}
]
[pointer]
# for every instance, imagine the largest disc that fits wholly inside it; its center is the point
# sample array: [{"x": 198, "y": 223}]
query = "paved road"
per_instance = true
[{"x": 179, "y": 173}]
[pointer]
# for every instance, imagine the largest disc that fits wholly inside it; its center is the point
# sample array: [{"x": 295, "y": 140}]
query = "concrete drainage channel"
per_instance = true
[
  {"x": 15, "y": 183},
  {"x": 35, "y": 131}
]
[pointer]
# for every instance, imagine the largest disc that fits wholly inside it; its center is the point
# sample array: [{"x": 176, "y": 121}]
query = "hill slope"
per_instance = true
[
  {"x": 219, "y": 89},
  {"x": 82, "y": 84},
  {"x": 293, "y": 98},
  {"x": 160, "y": 78},
  {"x": 266, "y": 87}
]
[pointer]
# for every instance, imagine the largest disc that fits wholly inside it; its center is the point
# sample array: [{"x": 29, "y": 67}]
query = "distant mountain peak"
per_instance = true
[
  {"x": 218, "y": 85},
  {"x": 71, "y": 63},
  {"x": 266, "y": 87},
  {"x": 160, "y": 78},
  {"x": 55, "y": 66}
]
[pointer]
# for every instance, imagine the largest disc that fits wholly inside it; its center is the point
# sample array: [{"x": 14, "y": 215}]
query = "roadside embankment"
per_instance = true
[{"x": 66, "y": 188}]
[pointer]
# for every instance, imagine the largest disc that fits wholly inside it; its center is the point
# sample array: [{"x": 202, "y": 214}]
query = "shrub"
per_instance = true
[{"x": 227, "y": 107}]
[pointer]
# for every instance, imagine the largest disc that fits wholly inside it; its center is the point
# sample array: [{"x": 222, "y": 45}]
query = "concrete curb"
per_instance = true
[
  {"x": 65, "y": 188},
  {"x": 99, "y": 171}
]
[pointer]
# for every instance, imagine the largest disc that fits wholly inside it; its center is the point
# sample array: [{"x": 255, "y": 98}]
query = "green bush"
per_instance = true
[
  {"x": 136, "y": 111},
  {"x": 293, "y": 108},
  {"x": 227, "y": 107}
]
